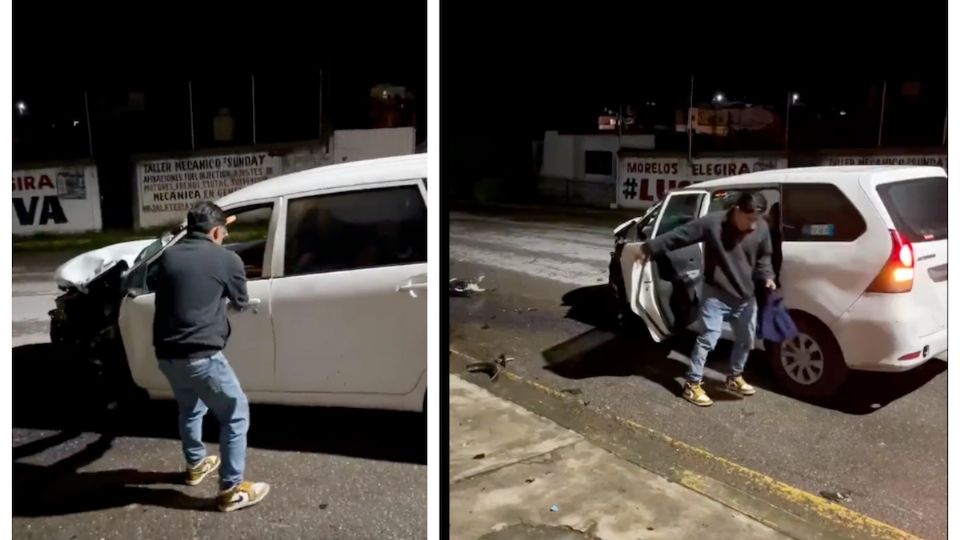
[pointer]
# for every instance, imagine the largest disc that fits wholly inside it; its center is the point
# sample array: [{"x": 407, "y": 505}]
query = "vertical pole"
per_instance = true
[
  {"x": 253, "y": 104},
  {"x": 320, "y": 109},
  {"x": 690, "y": 124},
  {"x": 786, "y": 135},
  {"x": 944, "y": 129},
  {"x": 86, "y": 106},
  {"x": 193, "y": 141},
  {"x": 883, "y": 104}
]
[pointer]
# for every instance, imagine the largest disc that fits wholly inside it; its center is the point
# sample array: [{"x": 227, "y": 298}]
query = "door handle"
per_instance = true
[
  {"x": 253, "y": 304},
  {"x": 412, "y": 288}
]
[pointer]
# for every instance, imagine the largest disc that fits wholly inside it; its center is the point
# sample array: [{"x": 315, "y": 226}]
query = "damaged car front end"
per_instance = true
[{"x": 84, "y": 324}]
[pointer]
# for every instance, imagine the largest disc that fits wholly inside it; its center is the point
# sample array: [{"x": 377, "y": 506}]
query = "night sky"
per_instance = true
[
  {"x": 556, "y": 59},
  {"x": 508, "y": 75},
  {"x": 134, "y": 61},
  {"x": 63, "y": 49}
]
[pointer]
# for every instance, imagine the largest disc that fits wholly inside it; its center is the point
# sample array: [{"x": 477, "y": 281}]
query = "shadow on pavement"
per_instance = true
[
  {"x": 60, "y": 489},
  {"x": 605, "y": 352},
  {"x": 51, "y": 392}
]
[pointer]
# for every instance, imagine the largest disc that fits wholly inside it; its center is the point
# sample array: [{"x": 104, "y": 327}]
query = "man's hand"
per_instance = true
[
  {"x": 641, "y": 256},
  {"x": 771, "y": 284}
]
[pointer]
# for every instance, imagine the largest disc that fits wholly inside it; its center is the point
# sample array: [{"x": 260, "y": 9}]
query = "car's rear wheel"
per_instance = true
[{"x": 811, "y": 365}]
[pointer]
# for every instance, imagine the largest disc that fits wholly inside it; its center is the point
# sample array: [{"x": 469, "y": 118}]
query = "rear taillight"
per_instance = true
[{"x": 897, "y": 273}]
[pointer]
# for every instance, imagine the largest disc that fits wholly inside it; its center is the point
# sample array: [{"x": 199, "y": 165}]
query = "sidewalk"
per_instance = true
[{"x": 517, "y": 476}]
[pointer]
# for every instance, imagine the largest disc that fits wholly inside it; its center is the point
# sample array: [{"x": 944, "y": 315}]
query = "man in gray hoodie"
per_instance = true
[
  {"x": 193, "y": 281},
  {"x": 736, "y": 254}
]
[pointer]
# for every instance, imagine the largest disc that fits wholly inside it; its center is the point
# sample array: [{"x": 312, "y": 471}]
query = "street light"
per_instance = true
[
  {"x": 21, "y": 108},
  {"x": 718, "y": 98},
  {"x": 792, "y": 99}
]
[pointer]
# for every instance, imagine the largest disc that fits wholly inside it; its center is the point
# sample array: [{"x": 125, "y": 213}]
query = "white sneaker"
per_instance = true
[{"x": 242, "y": 495}]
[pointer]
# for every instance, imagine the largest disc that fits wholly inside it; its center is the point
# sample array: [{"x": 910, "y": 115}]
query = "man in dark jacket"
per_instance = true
[
  {"x": 737, "y": 250},
  {"x": 193, "y": 281}
]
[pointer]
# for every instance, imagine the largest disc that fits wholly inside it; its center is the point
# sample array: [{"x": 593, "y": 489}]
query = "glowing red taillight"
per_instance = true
[{"x": 897, "y": 273}]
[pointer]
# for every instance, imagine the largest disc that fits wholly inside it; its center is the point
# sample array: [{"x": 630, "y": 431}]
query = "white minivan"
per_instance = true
[
  {"x": 336, "y": 256},
  {"x": 860, "y": 255}
]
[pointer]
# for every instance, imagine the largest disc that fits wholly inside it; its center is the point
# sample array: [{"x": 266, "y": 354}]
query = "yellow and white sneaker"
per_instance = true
[
  {"x": 694, "y": 393},
  {"x": 242, "y": 495},
  {"x": 740, "y": 386},
  {"x": 207, "y": 465}
]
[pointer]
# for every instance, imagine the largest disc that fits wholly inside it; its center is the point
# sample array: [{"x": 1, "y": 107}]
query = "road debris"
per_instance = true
[
  {"x": 572, "y": 391},
  {"x": 503, "y": 359},
  {"x": 323, "y": 506},
  {"x": 529, "y": 480},
  {"x": 554, "y": 508},
  {"x": 466, "y": 287},
  {"x": 836, "y": 496},
  {"x": 479, "y": 456},
  {"x": 490, "y": 368}
]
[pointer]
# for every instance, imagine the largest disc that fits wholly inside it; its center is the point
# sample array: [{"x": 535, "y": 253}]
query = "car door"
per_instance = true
[
  {"x": 664, "y": 287},
  {"x": 350, "y": 308},
  {"x": 250, "y": 348}
]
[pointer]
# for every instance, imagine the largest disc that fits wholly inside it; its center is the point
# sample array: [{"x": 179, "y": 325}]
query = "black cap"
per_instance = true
[{"x": 749, "y": 202}]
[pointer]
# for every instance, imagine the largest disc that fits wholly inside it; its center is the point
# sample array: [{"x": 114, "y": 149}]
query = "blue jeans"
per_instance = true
[
  {"x": 211, "y": 382},
  {"x": 713, "y": 312}
]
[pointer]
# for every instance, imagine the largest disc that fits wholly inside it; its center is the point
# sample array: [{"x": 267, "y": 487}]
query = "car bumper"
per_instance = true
[{"x": 874, "y": 340}]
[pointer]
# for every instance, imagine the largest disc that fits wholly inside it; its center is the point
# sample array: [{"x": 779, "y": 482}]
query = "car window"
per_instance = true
[
  {"x": 819, "y": 213},
  {"x": 917, "y": 207},
  {"x": 247, "y": 237},
  {"x": 354, "y": 230},
  {"x": 723, "y": 200},
  {"x": 136, "y": 282},
  {"x": 645, "y": 226},
  {"x": 679, "y": 209}
]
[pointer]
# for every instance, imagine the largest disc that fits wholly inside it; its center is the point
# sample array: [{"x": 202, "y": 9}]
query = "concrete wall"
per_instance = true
[
  {"x": 645, "y": 180},
  {"x": 165, "y": 186},
  {"x": 56, "y": 199},
  {"x": 563, "y": 173},
  {"x": 642, "y": 177},
  {"x": 359, "y": 144}
]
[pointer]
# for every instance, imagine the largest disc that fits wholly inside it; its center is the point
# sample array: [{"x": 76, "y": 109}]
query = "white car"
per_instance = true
[
  {"x": 336, "y": 257},
  {"x": 860, "y": 254}
]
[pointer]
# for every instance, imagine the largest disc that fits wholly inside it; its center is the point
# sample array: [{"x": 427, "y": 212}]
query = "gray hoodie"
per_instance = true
[
  {"x": 192, "y": 280},
  {"x": 732, "y": 261}
]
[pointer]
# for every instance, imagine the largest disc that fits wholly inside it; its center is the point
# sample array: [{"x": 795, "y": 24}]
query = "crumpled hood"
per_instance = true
[{"x": 84, "y": 268}]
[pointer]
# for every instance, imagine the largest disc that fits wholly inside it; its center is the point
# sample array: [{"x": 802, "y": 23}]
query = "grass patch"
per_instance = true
[
  {"x": 80, "y": 242},
  {"x": 47, "y": 242}
]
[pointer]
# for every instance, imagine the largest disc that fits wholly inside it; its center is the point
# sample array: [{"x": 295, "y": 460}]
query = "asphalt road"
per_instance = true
[
  {"x": 884, "y": 440},
  {"x": 82, "y": 472}
]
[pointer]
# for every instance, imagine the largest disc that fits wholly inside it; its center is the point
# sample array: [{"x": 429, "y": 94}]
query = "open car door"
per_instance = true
[{"x": 664, "y": 291}]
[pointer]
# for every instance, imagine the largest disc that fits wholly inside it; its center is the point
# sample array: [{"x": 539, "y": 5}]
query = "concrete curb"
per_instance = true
[{"x": 787, "y": 509}]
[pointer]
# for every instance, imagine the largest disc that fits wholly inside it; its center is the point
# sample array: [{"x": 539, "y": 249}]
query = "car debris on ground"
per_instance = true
[
  {"x": 492, "y": 369},
  {"x": 466, "y": 287},
  {"x": 836, "y": 496}
]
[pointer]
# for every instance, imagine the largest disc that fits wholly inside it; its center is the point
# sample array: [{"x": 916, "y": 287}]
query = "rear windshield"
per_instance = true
[{"x": 917, "y": 207}]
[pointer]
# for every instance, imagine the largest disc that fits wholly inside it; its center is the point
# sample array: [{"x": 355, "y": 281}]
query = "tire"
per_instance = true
[{"x": 795, "y": 362}]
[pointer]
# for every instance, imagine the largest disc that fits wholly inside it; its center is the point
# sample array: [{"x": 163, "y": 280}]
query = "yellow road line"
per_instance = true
[{"x": 833, "y": 512}]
